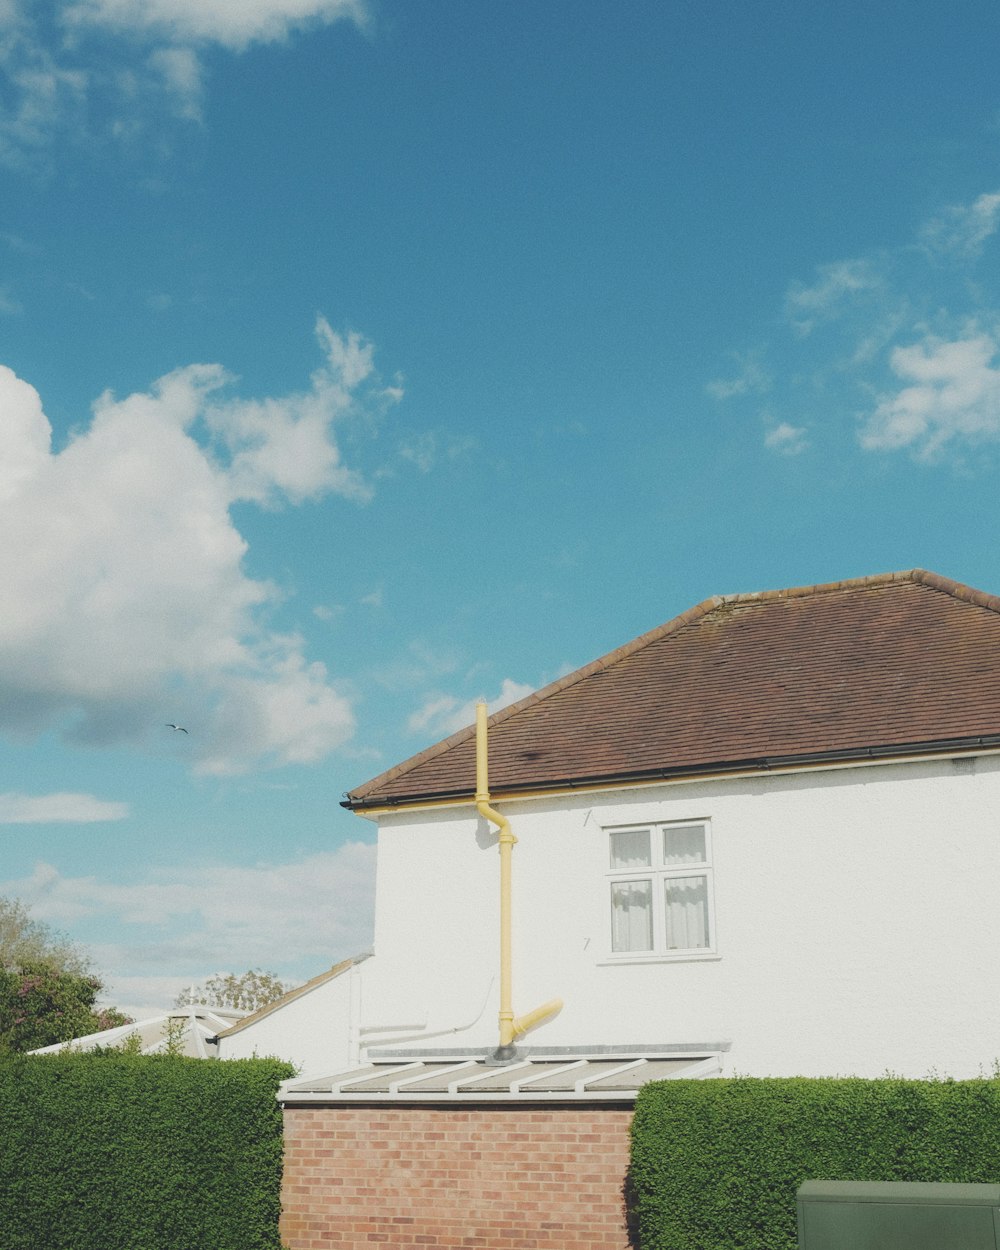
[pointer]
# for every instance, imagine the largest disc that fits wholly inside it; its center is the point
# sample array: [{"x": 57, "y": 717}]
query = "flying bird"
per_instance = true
[{"x": 178, "y": 728}]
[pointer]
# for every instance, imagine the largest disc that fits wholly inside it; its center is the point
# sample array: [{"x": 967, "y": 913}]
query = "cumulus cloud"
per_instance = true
[
  {"x": 124, "y": 587},
  {"x": 66, "y": 808},
  {"x": 444, "y": 714},
  {"x": 219, "y": 917},
  {"x": 282, "y": 447},
  {"x": 951, "y": 392}
]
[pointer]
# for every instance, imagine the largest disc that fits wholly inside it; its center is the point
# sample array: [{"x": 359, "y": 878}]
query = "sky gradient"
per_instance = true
[{"x": 358, "y": 359}]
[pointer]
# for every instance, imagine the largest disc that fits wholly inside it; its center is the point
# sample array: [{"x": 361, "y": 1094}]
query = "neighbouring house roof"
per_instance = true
[
  {"x": 187, "y": 1030},
  {"x": 300, "y": 990},
  {"x": 554, "y": 1079},
  {"x": 878, "y": 666}
]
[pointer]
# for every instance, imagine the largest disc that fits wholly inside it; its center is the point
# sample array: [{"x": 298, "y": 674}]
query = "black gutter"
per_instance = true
[{"x": 765, "y": 763}]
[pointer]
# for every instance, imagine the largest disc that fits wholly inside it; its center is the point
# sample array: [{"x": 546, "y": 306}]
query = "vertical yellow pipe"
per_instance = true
[
  {"x": 510, "y": 1027},
  {"x": 507, "y": 840}
]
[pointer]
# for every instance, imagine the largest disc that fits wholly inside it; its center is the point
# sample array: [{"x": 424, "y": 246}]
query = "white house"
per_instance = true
[{"x": 763, "y": 838}]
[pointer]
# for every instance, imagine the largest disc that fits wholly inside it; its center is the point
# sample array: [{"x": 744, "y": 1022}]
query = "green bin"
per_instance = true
[{"x": 898, "y": 1215}]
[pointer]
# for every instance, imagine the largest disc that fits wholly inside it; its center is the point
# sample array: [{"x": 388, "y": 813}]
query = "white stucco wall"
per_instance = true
[
  {"x": 313, "y": 1031},
  {"x": 857, "y": 923}
]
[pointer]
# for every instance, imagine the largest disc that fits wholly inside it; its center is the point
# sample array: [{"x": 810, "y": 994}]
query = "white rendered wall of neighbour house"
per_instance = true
[
  {"x": 312, "y": 1031},
  {"x": 857, "y": 922}
]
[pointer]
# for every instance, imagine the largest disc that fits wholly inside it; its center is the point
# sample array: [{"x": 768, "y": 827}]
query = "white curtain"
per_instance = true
[
  {"x": 686, "y": 912},
  {"x": 632, "y": 916}
]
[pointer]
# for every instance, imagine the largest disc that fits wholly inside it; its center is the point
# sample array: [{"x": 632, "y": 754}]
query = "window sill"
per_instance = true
[{"x": 656, "y": 957}]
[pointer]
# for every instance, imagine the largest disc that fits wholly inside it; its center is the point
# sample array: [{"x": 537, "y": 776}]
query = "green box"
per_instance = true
[{"x": 898, "y": 1215}]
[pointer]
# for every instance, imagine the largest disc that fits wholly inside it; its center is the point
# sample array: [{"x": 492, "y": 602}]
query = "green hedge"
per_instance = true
[
  {"x": 716, "y": 1164},
  {"x": 112, "y": 1151}
]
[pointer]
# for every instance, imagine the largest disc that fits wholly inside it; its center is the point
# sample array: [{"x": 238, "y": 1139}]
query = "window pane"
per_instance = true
[
  {"x": 632, "y": 916},
  {"x": 686, "y": 905},
  {"x": 630, "y": 849},
  {"x": 684, "y": 844}
]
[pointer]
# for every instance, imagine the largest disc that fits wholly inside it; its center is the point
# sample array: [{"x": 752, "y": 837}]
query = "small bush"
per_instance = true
[
  {"x": 716, "y": 1164},
  {"x": 117, "y": 1151}
]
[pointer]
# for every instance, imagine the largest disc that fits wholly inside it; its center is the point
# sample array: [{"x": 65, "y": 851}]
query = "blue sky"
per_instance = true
[{"x": 358, "y": 359}]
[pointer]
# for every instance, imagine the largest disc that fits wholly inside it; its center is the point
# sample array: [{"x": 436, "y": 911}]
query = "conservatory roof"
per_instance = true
[
  {"x": 541, "y": 1078},
  {"x": 188, "y": 1031}
]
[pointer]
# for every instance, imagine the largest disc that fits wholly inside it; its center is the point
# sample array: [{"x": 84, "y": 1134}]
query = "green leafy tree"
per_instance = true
[
  {"x": 39, "y": 1006},
  {"x": 24, "y": 940},
  {"x": 246, "y": 992},
  {"x": 48, "y": 990}
]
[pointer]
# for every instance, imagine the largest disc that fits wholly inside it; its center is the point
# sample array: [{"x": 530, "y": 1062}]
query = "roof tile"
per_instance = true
[{"x": 872, "y": 664}]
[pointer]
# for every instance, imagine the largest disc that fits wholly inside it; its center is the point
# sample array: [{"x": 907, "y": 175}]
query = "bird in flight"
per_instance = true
[{"x": 178, "y": 728}]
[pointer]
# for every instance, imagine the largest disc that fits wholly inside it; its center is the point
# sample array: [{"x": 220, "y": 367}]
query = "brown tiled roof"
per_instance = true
[{"x": 886, "y": 665}]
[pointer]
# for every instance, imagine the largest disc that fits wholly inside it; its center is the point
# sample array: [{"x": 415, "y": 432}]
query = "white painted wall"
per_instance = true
[
  {"x": 312, "y": 1031},
  {"x": 856, "y": 910}
]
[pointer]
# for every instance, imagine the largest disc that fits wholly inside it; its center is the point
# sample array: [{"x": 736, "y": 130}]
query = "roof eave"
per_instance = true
[{"x": 768, "y": 763}]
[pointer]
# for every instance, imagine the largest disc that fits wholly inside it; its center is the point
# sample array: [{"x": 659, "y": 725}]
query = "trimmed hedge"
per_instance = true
[
  {"x": 111, "y": 1151},
  {"x": 716, "y": 1164}
]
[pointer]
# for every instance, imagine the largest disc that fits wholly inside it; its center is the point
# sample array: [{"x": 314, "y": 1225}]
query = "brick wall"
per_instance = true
[{"x": 514, "y": 1177}]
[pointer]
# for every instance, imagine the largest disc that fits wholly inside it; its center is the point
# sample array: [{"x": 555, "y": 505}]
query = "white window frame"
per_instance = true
[{"x": 658, "y": 874}]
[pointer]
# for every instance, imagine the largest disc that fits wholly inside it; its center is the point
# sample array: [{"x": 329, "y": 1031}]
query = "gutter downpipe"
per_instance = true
[{"x": 511, "y": 1027}]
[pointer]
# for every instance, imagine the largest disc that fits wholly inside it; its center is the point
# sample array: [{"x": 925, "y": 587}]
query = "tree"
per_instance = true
[
  {"x": 41, "y": 1005},
  {"x": 27, "y": 941},
  {"x": 246, "y": 992},
  {"x": 48, "y": 991}
]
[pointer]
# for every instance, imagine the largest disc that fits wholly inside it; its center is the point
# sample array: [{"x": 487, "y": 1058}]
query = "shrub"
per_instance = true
[
  {"x": 716, "y": 1164},
  {"x": 116, "y": 1151}
]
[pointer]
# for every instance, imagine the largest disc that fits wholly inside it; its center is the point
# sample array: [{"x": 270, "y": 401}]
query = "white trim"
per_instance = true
[
  {"x": 615, "y": 958},
  {"x": 657, "y": 872}
]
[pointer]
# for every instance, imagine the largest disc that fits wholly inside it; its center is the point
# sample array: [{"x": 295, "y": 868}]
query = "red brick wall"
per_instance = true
[{"x": 511, "y": 1177}]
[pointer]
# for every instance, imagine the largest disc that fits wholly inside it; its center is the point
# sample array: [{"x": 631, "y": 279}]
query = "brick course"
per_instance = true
[{"x": 465, "y": 1179}]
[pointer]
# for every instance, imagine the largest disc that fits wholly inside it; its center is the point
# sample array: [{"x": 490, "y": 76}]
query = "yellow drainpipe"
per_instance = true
[{"x": 511, "y": 1027}]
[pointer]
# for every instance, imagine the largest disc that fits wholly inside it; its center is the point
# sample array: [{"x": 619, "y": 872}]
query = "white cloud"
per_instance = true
[
  {"x": 284, "y": 447},
  {"x": 837, "y": 284},
  {"x": 233, "y": 23},
  {"x": 188, "y": 922},
  {"x": 749, "y": 378},
  {"x": 125, "y": 600},
  {"x": 42, "y": 97},
  {"x": 952, "y": 393},
  {"x": 67, "y": 808},
  {"x": 443, "y": 714},
  {"x": 790, "y": 440},
  {"x": 127, "y": 59},
  {"x": 421, "y": 451},
  {"x": 962, "y": 229},
  {"x": 181, "y": 73}
]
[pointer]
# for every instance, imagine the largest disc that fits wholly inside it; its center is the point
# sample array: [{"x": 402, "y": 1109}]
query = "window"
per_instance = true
[{"x": 660, "y": 884}]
